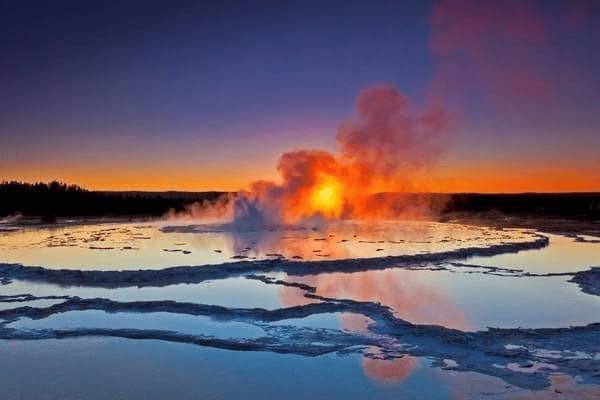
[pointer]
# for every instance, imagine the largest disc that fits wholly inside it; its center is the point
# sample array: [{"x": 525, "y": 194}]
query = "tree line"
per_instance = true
[{"x": 58, "y": 199}]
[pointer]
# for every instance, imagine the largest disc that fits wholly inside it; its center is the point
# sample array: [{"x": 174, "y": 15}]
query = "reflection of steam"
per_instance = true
[
  {"x": 562, "y": 387},
  {"x": 409, "y": 299},
  {"x": 391, "y": 372},
  {"x": 289, "y": 243},
  {"x": 380, "y": 150},
  {"x": 397, "y": 289},
  {"x": 387, "y": 371},
  {"x": 472, "y": 386},
  {"x": 340, "y": 240}
]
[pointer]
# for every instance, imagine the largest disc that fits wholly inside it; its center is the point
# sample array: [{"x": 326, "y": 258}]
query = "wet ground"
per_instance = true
[{"x": 386, "y": 310}]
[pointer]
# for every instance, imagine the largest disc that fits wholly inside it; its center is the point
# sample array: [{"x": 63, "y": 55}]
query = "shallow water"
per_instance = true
[
  {"x": 462, "y": 301},
  {"x": 158, "y": 370},
  {"x": 185, "y": 324},
  {"x": 161, "y": 244},
  {"x": 229, "y": 292},
  {"x": 410, "y": 329},
  {"x": 565, "y": 254}
]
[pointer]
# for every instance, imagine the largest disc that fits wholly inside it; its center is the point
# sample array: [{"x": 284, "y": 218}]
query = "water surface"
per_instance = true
[{"x": 321, "y": 334}]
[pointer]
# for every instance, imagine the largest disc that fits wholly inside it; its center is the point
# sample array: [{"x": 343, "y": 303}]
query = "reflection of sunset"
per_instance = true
[
  {"x": 359, "y": 239},
  {"x": 130, "y": 245}
]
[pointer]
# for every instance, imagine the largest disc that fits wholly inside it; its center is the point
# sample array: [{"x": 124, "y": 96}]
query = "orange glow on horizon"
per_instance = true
[{"x": 490, "y": 178}]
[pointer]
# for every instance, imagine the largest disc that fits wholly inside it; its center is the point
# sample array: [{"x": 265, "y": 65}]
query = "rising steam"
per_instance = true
[
  {"x": 498, "y": 55},
  {"x": 380, "y": 150}
]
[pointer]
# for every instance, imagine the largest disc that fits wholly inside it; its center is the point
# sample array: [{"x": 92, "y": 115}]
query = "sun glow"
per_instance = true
[{"x": 327, "y": 199}]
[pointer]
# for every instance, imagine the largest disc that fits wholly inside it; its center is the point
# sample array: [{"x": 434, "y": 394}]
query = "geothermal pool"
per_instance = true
[
  {"x": 165, "y": 244},
  {"x": 355, "y": 310}
]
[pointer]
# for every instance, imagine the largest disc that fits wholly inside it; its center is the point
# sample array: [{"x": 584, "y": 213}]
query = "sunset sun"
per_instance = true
[{"x": 327, "y": 199}]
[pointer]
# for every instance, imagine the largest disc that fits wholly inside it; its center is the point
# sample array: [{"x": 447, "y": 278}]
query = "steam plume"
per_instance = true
[{"x": 388, "y": 141}]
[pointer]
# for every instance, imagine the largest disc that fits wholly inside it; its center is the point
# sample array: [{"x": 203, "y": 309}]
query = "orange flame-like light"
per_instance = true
[{"x": 327, "y": 199}]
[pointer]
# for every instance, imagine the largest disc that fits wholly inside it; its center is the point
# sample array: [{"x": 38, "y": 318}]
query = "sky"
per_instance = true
[{"x": 190, "y": 95}]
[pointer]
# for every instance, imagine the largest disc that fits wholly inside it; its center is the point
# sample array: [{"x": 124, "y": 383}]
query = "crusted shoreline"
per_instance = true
[
  {"x": 196, "y": 274},
  {"x": 493, "y": 352},
  {"x": 489, "y": 351}
]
